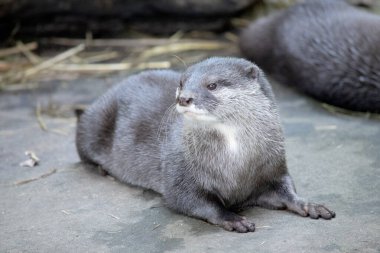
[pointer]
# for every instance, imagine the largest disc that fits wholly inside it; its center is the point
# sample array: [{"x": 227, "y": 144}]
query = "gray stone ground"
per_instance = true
[{"x": 334, "y": 159}]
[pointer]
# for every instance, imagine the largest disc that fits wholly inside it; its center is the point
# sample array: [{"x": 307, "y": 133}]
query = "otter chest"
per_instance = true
[{"x": 223, "y": 164}]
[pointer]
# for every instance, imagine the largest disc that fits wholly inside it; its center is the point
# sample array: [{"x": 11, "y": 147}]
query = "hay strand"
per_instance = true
[{"x": 17, "y": 49}]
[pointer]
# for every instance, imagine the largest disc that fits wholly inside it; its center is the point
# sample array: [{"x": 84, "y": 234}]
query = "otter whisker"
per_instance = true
[{"x": 164, "y": 120}]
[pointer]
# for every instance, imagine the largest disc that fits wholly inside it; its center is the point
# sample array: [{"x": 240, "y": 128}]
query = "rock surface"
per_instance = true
[{"x": 334, "y": 159}]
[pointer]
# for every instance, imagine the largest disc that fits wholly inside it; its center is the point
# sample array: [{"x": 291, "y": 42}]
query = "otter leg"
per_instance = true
[
  {"x": 283, "y": 196},
  {"x": 208, "y": 207}
]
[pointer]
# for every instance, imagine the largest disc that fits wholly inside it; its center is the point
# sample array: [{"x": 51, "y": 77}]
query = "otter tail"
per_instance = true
[
  {"x": 78, "y": 112},
  {"x": 95, "y": 129}
]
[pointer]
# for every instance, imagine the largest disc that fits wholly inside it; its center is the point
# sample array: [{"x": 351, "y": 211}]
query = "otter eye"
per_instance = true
[
  {"x": 180, "y": 84},
  {"x": 211, "y": 86}
]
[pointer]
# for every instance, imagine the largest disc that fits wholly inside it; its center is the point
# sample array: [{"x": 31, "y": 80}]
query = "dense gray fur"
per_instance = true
[
  {"x": 219, "y": 153},
  {"x": 327, "y": 48}
]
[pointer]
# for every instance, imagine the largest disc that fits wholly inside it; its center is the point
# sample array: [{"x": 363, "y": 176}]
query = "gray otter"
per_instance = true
[
  {"x": 221, "y": 147},
  {"x": 327, "y": 48}
]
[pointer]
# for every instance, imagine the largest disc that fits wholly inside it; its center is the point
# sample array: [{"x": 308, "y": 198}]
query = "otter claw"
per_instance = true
[
  {"x": 240, "y": 226},
  {"x": 316, "y": 211}
]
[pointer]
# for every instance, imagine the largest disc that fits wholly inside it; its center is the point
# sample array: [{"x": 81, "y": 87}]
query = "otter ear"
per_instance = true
[{"x": 252, "y": 72}]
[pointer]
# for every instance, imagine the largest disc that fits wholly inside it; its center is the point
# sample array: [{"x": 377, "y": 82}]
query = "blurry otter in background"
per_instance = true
[{"x": 326, "y": 48}]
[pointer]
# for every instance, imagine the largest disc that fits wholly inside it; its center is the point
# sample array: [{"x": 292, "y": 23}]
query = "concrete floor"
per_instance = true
[{"x": 333, "y": 158}]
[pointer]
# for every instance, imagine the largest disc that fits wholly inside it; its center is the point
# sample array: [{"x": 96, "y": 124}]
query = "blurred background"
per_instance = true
[{"x": 105, "y": 36}]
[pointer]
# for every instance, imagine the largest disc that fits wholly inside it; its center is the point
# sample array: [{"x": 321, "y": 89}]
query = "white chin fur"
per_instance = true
[
  {"x": 199, "y": 115},
  {"x": 229, "y": 134},
  {"x": 193, "y": 113}
]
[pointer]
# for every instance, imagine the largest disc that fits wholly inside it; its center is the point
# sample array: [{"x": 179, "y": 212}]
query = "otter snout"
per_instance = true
[{"x": 185, "y": 101}]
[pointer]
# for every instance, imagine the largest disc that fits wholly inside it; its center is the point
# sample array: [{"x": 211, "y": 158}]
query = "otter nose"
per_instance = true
[{"x": 185, "y": 101}]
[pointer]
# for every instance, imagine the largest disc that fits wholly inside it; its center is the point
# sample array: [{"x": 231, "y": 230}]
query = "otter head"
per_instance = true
[{"x": 218, "y": 90}]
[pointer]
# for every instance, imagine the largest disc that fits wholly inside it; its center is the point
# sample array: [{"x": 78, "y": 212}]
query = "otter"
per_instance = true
[
  {"x": 328, "y": 49},
  {"x": 214, "y": 148}
]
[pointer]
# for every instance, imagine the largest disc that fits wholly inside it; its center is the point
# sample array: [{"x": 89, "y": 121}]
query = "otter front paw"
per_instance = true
[
  {"x": 240, "y": 225},
  {"x": 316, "y": 211}
]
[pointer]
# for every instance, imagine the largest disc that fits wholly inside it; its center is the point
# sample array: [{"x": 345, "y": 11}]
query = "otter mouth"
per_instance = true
[
  {"x": 193, "y": 113},
  {"x": 190, "y": 110}
]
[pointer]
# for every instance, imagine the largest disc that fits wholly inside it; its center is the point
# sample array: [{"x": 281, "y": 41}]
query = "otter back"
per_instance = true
[{"x": 120, "y": 130}]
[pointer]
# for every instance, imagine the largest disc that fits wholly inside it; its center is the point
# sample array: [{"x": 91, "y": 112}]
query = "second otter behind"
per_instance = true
[{"x": 326, "y": 48}]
